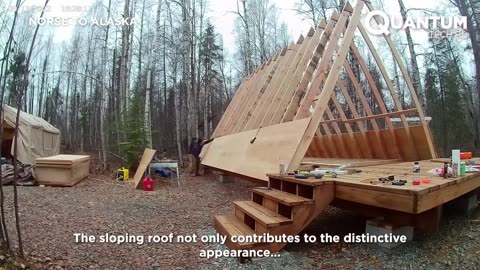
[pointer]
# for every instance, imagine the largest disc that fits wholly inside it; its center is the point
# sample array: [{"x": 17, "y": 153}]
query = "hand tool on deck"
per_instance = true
[
  {"x": 301, "y": 176},
  {"x": 399, "y": 182}
]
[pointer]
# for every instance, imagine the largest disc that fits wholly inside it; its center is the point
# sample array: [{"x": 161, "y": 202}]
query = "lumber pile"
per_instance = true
[{"x": 62, "y": 170}]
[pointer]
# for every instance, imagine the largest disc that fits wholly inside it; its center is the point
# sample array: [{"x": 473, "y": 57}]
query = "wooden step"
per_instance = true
[
  {"x": 282, "y": 197},
  {"x": 264, "y": 216},
  {"x": 229, "y": 225}
]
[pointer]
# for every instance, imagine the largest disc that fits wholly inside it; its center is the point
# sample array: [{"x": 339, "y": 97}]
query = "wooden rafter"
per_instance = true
[
  {"x": 251, "y": 104},
  {"x": 413, "y": 94},
  {"x": 328, "y": 87},
  {"x": 263, "y": 79},
  {"x": 272, "y": 88},
  {"x": 296, "y": 80},
  {"x": 314, "y": 87},
  {"x": 309, "y": 101},
  {"x": 309, "y": 71}
]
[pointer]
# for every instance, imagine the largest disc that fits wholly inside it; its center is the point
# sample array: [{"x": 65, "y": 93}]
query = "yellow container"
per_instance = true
[{"x": 122, "y": 174}]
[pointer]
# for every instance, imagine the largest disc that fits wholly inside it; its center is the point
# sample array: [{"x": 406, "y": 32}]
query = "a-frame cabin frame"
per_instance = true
[{"x": 308, "y": 101}]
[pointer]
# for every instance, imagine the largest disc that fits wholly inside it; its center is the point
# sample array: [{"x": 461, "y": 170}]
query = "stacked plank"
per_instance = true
[
  {"x": 309, "y": 101},
  {"x": 62, "y": 170}
]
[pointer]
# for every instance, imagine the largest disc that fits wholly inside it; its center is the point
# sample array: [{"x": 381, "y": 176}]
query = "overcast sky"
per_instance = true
[
  {"x": 220, "y": 12},
  {"x": 223, "y": 19}
]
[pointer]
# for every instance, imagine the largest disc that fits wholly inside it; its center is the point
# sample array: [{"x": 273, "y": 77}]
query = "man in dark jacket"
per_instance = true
[
  {"x": 192, "y": 150},
  {"x": 195, "y": 149}
]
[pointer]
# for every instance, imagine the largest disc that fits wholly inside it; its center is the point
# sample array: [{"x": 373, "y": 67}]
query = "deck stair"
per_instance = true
[{"x": 287, "y": 206}]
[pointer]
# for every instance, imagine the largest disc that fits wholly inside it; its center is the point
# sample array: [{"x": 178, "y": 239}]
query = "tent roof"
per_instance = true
[{"x": 10, "y": 114}]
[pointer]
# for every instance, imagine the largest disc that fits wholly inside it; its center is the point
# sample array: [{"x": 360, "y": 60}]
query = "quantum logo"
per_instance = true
[{"x": 378, "y": 22}]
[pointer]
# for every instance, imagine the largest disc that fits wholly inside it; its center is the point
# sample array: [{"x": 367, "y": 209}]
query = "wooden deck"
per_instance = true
[
  {"x": 289, "y": 204},
  {"x": 408, "y": 198}
]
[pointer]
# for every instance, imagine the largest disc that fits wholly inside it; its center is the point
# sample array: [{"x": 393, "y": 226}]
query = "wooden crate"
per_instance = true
[{"x": 62, "y": 170}]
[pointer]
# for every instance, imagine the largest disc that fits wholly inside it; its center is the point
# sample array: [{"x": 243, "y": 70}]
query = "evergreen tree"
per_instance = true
[
  {"x": 445, "y": 102},
  {"x": 134, "y": 129},
  {"x": 16, "y": 71},
  {"x": 210, "y": 54}
]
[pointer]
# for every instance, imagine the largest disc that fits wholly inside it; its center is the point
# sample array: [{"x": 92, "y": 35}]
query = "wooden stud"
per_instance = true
[
  {"x": 365, "y": 104},
  {"x": 353, "y": 109},
  {"x": 332, "y": 144},
  {"x": 348, "y": 127},
  {"x": 351, "y": 150}
]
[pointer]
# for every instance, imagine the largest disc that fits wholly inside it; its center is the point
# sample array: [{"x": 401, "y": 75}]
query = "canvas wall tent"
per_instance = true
[
  {"x": 310, "y": 102},
  {"x": 36, "y": 137}
]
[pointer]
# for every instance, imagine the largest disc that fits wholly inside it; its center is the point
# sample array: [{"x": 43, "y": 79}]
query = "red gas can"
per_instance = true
[{"x": 147, "y": 184}]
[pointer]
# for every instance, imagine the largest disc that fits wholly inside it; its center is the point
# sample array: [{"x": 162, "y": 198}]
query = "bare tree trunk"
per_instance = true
[
  {"x": 186, "y": 66},
  {"x": 165, "y": 111},
  {"x": 205, "y": 107},
  {"x": 5, "y": 59},
  {"x": 117, "y": 100},
  {"x": 248, "y": 46},
  {"x": 42, "y": 87},
  {"x": 15, "y": 139},
  {"x": 400, "y": 92},
  {"x": 124, "y": 61},
  {"x": 103, "y": 97},
  {"x": 148, "y": 114},
  {"x": 130, "y": 59},
  {"x": 417, "y": 84},
  {"x": 140, "y": 46},
  {"x": 176, "y": 94},
  {"x": 66, "y": 122},
  {"x": 210, "y": 125},
  {"x": 84, "y": 91}
]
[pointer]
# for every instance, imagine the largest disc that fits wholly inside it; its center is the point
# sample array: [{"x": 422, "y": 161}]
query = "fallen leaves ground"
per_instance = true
[{"x": 51, "y": 215}]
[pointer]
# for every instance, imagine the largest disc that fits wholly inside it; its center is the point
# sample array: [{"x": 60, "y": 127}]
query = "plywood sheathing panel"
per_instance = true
[
  {"x": 273, "y": 145},
  {"x": 144, "y": 162}
]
